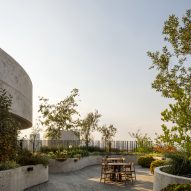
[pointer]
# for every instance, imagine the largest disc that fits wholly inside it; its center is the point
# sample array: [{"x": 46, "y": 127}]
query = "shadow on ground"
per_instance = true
[{"x": 88, "y": 179}]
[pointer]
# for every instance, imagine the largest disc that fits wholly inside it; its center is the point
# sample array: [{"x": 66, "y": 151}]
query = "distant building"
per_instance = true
[{"x": 67, "y": 138}]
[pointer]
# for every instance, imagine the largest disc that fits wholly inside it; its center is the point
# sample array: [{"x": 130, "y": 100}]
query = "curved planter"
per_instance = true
[
  {"x": 162, "y": 179},
  {"x": 23, "y": 177},
  {"x": 72, "y": 164}
]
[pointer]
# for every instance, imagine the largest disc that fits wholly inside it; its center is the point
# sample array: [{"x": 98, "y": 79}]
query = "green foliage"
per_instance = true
[
  {"x": 88, "y": 125},
  {"x": 46, "y": 149},
  {"x": 177, "y": 187},
  {"x": 64, "y": 153},
  {"x": 107, "y": 134},
  {"x": 145, "y": 161},
  {"x": 61, "y": 154},
  {"x": 5, "y": 165},
  {"x": 8, "y": 128},
  {"x": 179, "y": 164},
  {"x": 25, "y": 157},
  {"x": 51, "y": 155},
  {"x": 157, "y": 163},
  {"x": 59, "y": 116},
  {"x": 33, "y": 136},
  {"x": 144, "y": 142},
  {"x": 173, "y": 79}
]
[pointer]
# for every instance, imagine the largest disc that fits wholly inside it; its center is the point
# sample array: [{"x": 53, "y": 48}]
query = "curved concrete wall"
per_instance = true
[
  {"x": 70, "y": 165},
  {"x": 162, "y": 179},
  {"x": 16, "y": 81},
  {"x": 20, "y": 178}
]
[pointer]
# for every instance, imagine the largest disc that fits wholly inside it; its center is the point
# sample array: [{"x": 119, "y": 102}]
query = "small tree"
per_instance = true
[
  {"x": 8, "y": 128},
  {"x": 88, "y": 125},
  {"x": 173, "y": 80},
  {"x": 107, "y": 135},
  {"x": 59, "y": 116},
  {"x": 34, "y": 136},
  {"x": 143, "y": 141}
]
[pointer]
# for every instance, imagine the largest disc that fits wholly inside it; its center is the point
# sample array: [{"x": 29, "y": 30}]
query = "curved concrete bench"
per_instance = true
[
  {"x": 23, "y": 177},
  {"x": 162, "y": 179}
]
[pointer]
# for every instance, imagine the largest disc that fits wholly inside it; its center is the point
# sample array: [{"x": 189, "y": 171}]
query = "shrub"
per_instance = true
[
  {"x": 145, "y": 161},
  {"x": 51, "y": 155},
  {"x": 62, "y": 154},
  {"x": 8, "y": 165},
  {"x": 157, "y": 163},
  {"x": 25, "y": 157},
  {"x": 177, "y": 187},
  {"x": 8, "y": 128},
  {"x": 179, "y": 164},
  {"x": 165, "y": 149},
  {"x": 46, "y": 149}
]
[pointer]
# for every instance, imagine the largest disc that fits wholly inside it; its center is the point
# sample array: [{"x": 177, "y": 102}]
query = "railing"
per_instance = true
[{"x": 129, "y": 146}]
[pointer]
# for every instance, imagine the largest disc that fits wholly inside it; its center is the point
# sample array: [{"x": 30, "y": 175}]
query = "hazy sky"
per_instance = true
[{"x": 97, "y": 46}]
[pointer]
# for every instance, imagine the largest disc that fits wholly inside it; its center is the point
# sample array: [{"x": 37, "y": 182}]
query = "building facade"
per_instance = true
[{"x": 18, "y": 84}]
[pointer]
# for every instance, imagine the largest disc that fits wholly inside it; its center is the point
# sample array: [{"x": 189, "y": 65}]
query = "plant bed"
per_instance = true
[{"x": 163, "y": 179}]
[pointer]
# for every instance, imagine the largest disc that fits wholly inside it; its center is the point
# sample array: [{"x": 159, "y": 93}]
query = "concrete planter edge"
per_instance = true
[
  {"x": 163, "y": 179},
  {"x": 23, "y": 177}
]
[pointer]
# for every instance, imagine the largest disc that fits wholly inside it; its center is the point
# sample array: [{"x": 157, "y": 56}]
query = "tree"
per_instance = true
[
  {"x": 107, "y": 134},
  {"x": 34, "y": 136},
  {"x": 143, "y": 141},
  {"x": 88, "y": 125},
  {"x": 173, "y": 79},
  {"x": 8, "y": 128},
  {"x": 60, "y": 116}
]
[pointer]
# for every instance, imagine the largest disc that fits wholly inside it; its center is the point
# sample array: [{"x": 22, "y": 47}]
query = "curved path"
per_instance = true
[{"x": 87, "y": 179}]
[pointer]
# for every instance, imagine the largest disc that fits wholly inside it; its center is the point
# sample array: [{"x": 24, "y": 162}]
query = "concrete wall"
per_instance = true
[
  {"x": 162, "y": 179},
  {"x": 69, "y": 165},
  {"x": 16, "y": 81},
  {"x": 20, "y": 178}
]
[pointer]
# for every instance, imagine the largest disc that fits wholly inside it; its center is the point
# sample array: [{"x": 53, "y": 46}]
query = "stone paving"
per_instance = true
[{"x": 87, "y": 179}]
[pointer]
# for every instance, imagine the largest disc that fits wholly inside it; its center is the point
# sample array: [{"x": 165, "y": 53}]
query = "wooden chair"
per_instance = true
[
  {"x": 106, "y": 172},
  {"x": 127, "y": 173}
]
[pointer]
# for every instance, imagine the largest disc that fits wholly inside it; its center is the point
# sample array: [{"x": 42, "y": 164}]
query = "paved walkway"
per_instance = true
[{"x": 87, "y": 179}]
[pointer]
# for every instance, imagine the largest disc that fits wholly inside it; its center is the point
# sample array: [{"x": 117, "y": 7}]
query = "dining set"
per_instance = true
[{"x": 117, "y": 169}]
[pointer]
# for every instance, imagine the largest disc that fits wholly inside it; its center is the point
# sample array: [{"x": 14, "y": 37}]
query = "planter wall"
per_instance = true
[
  {"x": 70, "y": 165},
  {"x": 23, "y": 177},
  {"x": 162, "y": 179}
]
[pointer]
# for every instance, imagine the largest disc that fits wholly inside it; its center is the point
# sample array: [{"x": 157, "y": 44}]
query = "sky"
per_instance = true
[{"x": 97, "y": 46}]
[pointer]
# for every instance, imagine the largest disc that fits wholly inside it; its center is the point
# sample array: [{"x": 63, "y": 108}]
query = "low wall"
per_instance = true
[
  {"x": 162, "y": 179},
  {"x": 70, "y": 165},
  {"x": 23, "y": 177}
]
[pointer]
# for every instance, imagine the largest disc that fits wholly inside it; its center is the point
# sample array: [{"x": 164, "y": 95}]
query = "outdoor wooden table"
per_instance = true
[
  {"x": 115, "y": 159},
  {"x": 117, "y": 166}
]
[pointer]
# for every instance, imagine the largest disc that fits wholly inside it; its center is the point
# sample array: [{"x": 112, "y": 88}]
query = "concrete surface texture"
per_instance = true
[
  {"x": 16, "y": 81},
  {"x": 71, "y": 165},
  {"x": 23, "y": 177},
  {"x": 162, "y": 179},
  {"x": 88, "y": 178}
]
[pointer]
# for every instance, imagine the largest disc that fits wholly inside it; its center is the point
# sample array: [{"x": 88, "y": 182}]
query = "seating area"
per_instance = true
[{"x": 117, "y": 170}]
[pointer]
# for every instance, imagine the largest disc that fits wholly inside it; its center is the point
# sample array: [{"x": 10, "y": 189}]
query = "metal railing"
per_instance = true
[{"x": 129, "y": 146}]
